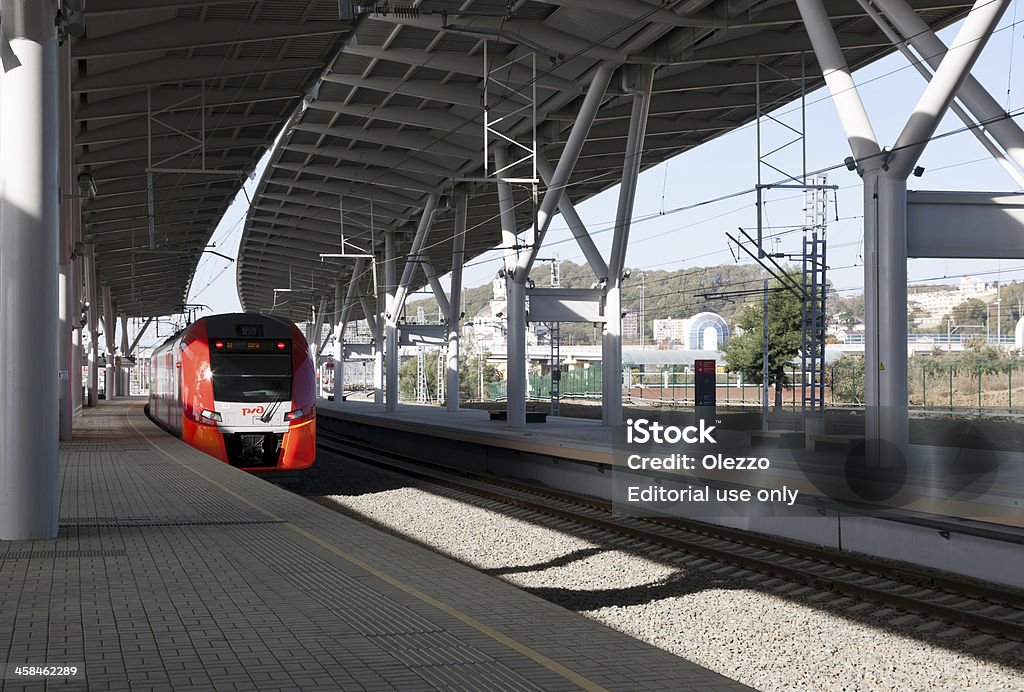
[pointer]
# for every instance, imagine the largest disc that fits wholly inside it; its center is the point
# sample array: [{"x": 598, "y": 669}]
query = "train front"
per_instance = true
[{"x": 261, "y": 378}]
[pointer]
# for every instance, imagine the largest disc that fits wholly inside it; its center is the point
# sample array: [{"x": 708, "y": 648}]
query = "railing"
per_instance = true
[{"x": 942, "y": 339}]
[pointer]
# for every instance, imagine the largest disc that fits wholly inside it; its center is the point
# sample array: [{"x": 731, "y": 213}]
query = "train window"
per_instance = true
[{"x": 249, "y": 377}]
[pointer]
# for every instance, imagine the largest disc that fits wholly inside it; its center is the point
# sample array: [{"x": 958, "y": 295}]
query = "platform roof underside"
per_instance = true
[{"x": 381, "y": 113}]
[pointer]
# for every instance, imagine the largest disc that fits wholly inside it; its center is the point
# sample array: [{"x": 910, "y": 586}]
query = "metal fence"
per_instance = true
[{"x": 937, "y": 385}]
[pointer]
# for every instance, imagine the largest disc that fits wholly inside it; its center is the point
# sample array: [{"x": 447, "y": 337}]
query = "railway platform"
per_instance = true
[
  {"x": 977, "y": 534},
  {"x": 174, "y": 570}
]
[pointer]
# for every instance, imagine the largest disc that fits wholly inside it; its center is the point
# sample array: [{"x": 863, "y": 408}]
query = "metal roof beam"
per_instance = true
[
  {"x": 134, "y": 170},
  {"x": 373, "y": 176},
  {"x": 112, "y": 202},
  {"x": 430, "y": 118},
  {"x": 533, "y": 34},
  {"x": 139, "y": 128},
  {"x": 166, "y": 152},
  {"x": 457, "y": 63},
  {"x": 405, "y": 139},
  {"x": 471, "y": 96},
  {"x": 366, "y": 191},
  {"x": 389, "y": 159},
  {"x": 188, "y": 98},
  {"x": 169, "y": 70},
  {"x": 181, "y": 35}
]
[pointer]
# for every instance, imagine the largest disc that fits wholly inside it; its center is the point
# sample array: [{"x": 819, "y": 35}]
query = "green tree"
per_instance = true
[
  {"x": 744, "y": 353},
  {"x": 970, "y": 313},
  {"x": 475, "y": 372},
  {"x": 846, "y": 379}
]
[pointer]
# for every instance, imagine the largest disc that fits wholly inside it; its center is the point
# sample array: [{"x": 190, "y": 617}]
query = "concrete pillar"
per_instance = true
[
  {"x": 92, "y": 292},
  {"x": 515, "y": 352},
  {"x": 378, "y": 349},
  {"x": 638, "y": 82},
  {"x": 455, "y": 301},
  {"x": 67, "y": 291},
  {"x": 339, "y": 341},
  {"x": 65, "y": 302},
  {"x": 109, "y": 331},
  {"x": 124, "y": 387},
  {"x": 354, "y": 284},
  {"x": 885, "y": 204},
  {"x": 29, "y": 233},
  {"x": 611, "y": 355},
  {"x": 76, "y": 336},
  {"x": 390, "y": 325}
]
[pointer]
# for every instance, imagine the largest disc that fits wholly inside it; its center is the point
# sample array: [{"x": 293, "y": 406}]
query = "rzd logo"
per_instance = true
[{"x": 252, "y": 411}]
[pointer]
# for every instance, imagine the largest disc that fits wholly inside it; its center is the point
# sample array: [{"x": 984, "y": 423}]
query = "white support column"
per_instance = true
[
  {"x": 123, "y": 380},
  {"x": 355, "y": 281},
  {"x": 972, "y": 94},
  {"x": 390, "y": 326},
  {"x": 944, "y": 85},
  {"x": 640, "y": 84},
  {"x": 93, "y": 294},
  {"x": 109, "y": 330},
  {"x": 67, "y": 291},
  {"x": 885, "y": 204},
  {"x": 378, "y": 350},
  {"x": 339, "y": 336},
  {"x": 982, "y": 134},
  {"x": 841, "y": 86},
  {"x": 455, "y": 304},
  {"x": 29, "y": 234},
  {"x": 370, "y": 310},
  {"x": 75, "y": 312},
  {"x": 892, "y": 214},
  {"x": 65, "y": 320},
  {"x": 576, "y": 225},
  {"x": 515, "y": 320},
  {"x": 412, "y": 259},
  {"x": 318, "y": 326},
  {"x": 443, "y": 303},
  {"x": 506, "y": 211},
  {"x": 515, "y": 352},
  {"x": 566, "y": 164}
]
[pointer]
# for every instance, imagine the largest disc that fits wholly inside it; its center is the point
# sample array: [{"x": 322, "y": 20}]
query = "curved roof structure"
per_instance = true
[
  {"x": 194, "y": 92},
  {"x": 399, "y": 115}
]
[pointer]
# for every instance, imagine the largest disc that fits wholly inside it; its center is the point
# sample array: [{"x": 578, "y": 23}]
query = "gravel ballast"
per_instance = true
[{"x": 722, "y": 618}]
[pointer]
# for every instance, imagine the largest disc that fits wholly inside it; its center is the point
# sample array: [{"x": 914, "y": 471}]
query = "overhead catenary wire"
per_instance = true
[{"x": 717, "y": 199}]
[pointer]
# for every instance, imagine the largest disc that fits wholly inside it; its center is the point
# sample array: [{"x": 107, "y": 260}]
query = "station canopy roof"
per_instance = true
[
  {"x": 149, "y": 82},
  {"x": 380, "y": 112}
]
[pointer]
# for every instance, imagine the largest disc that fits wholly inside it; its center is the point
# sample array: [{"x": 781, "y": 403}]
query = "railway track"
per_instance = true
[{"x": 928, "y": 597}]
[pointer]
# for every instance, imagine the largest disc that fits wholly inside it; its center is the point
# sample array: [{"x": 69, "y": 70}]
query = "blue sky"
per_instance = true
[{"x": 663, "y": 239}]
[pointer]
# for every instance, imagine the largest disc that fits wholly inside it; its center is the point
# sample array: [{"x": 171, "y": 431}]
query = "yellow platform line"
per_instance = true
[{"x": 531, "y": 653}]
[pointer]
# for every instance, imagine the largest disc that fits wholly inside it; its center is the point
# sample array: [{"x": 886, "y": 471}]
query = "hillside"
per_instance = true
[{"x": 666, "y": 294}]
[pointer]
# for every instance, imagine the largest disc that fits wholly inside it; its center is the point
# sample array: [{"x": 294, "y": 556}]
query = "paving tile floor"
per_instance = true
[{"x": 175, "y": 571}]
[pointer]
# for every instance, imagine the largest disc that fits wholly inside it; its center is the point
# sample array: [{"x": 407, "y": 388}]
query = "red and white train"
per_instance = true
[{"x": 240, "y": 387}]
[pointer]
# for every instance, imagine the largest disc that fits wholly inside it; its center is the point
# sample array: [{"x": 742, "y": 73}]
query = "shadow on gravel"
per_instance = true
[
  {"x": 336, "y": 475},
  {"x": 562, "y": 561},
  {"x": 679, "y": 584}
]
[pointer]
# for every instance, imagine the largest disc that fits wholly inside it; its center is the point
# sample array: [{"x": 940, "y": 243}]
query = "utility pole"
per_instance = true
[{"x": 643, "y": 312}]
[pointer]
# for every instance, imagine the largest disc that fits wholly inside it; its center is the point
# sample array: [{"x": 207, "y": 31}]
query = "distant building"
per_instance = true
[
  {"x": 934, "y": 305},
  {"x": 630, "y": 326},
  {"x": 705, "y": 330},
  {"x": 671, "y": 330}
]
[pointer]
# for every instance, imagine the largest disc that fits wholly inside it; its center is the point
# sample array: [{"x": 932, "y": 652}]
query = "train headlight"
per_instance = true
[
  {"x": 212, "y": 416},
  {"x": 294, "y": 415}
]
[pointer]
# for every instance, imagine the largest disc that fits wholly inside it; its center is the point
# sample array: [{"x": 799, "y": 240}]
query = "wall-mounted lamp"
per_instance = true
[{"x": 86, "y": 185}]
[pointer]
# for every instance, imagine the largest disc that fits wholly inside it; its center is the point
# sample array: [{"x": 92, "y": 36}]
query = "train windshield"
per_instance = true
[{"x": 251, "y": 377}]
